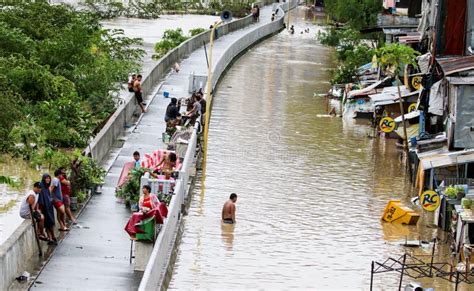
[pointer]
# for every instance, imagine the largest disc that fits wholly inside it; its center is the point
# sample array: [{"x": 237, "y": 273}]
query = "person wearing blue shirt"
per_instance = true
[{"x": 136, "y": 157}]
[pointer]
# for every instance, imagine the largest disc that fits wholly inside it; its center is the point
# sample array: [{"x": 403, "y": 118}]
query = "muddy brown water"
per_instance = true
[{"x": 311, "y": 189}]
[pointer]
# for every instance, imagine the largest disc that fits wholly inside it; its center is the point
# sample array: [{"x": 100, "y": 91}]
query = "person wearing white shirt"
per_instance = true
[{"x": 29, "y": 208}]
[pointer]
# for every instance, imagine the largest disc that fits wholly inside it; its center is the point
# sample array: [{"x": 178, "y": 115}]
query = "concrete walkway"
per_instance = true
[{"x": 96, "y": 256}]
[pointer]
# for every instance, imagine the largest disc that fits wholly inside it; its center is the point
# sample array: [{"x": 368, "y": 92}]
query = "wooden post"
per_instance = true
[{"x": 405, "y": 140}]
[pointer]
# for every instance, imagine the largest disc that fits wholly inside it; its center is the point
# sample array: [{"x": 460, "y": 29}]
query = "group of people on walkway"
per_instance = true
[
  {"x": 195, "y": 110},
  {"x": 46, "y": 196}
]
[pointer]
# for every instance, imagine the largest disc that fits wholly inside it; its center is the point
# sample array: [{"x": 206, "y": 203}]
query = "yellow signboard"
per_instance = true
[
  {"x": 429, "y": 200},
  {"x": 416, "y": 82},
  {"x": 412, "y": 107},
  {"x": 387, "y": 124}
]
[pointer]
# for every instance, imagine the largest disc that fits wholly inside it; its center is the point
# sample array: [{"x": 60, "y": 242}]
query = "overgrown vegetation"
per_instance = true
[
  {"x": 351, "y": 52},
  {"x": 58, "y": 69},
  {"x": 353, "y": 49}
]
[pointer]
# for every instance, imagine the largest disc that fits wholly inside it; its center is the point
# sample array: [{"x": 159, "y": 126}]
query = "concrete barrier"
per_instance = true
[
  {"x": 123, "y": 116},
  {"x": 15, "y": 253},
  {"x": 154, "y": 276}
]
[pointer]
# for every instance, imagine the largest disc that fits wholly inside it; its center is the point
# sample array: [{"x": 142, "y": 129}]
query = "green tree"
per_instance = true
[
  {"x": 58, "y": 70},
  {"x": 356, "y": 13},
  {"x": 196, "y": 31},
  {"x": 393, "y": 57}
]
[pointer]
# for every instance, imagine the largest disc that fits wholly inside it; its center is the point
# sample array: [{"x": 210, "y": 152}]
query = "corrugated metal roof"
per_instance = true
[
  {"x": 456, "y": 64},
  {"x": 367, "y": 90},
  {"x": 389, "y": 95},
  {"x": 438, "y": 160}
]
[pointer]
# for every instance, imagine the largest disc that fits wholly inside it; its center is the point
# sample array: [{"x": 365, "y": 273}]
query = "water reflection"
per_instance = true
[
  {"x": 227, "y": 234},
  {"x": 311, "y": 189}
]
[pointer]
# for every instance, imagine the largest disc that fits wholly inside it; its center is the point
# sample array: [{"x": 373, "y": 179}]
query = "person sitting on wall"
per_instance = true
[
  {"x": 131, "y": 81},
  {"x": 29, "y": 209},
  {"x": 148, "y": 201},
  {"x": 149, "y": 206},
  {"x": 168, "y": 163}
]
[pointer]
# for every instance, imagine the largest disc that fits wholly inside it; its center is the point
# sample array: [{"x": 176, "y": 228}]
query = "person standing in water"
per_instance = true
[{"x": 228, "y": 210}]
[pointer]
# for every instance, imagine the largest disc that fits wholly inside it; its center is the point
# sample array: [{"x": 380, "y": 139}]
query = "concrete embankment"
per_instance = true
[{"x": 100, "y": 250}]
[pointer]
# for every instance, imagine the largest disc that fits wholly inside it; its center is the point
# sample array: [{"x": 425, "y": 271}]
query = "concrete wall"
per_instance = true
[
  {"x": 155, "y": 273},
  {"x": 15, "y": 253}
]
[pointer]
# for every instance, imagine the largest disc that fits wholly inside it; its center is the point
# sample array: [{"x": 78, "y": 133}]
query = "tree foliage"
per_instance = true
[
  {"x": 357, "y": 14},
  {"x": 58, "y": 69},
  {"x": 351, "y": 52},
  {"x": 395, "y": 55}
]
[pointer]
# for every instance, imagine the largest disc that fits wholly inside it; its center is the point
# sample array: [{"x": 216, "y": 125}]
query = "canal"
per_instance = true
[{"x": 311, "y": 189}]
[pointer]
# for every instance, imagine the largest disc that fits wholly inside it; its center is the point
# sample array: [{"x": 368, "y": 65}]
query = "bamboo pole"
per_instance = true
[{"x": 405, "y": 139}]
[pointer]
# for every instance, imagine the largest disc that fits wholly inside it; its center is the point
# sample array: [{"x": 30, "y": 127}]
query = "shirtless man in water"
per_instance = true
[{"x": 228, "y": 211}]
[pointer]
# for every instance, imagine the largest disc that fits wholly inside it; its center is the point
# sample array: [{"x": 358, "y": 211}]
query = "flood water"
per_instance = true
[
  {"x": 10, "y": 197},
  {"x": 151, "y": 30},
  {"x": 311, "y": 189}
]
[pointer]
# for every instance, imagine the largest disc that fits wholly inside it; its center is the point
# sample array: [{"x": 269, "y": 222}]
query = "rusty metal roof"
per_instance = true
[{"x": 456, "y": 64}]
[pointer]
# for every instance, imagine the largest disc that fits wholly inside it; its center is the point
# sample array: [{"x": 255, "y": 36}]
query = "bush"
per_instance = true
[
  {"x": 196, "y": 31},
  {"x": 131, "y": 190},
  {"x": 171, "y": 39},
  {"x": 85, "y": 172}
]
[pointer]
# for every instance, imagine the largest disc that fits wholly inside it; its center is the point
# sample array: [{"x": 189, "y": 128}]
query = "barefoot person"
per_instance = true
[
  {"x": 228, "y": 211},
  {"x": 137, "y": 88}
]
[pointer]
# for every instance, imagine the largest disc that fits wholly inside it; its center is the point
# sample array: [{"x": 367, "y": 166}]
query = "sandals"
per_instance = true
[
  {"x": 43, "y": 238},
  {"x": 53, "y": 241},
  {"x": 65, "y": 229}
]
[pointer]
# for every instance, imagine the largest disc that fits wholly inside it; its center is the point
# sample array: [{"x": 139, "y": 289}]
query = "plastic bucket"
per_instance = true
[{"x": 166, "y": 94}]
